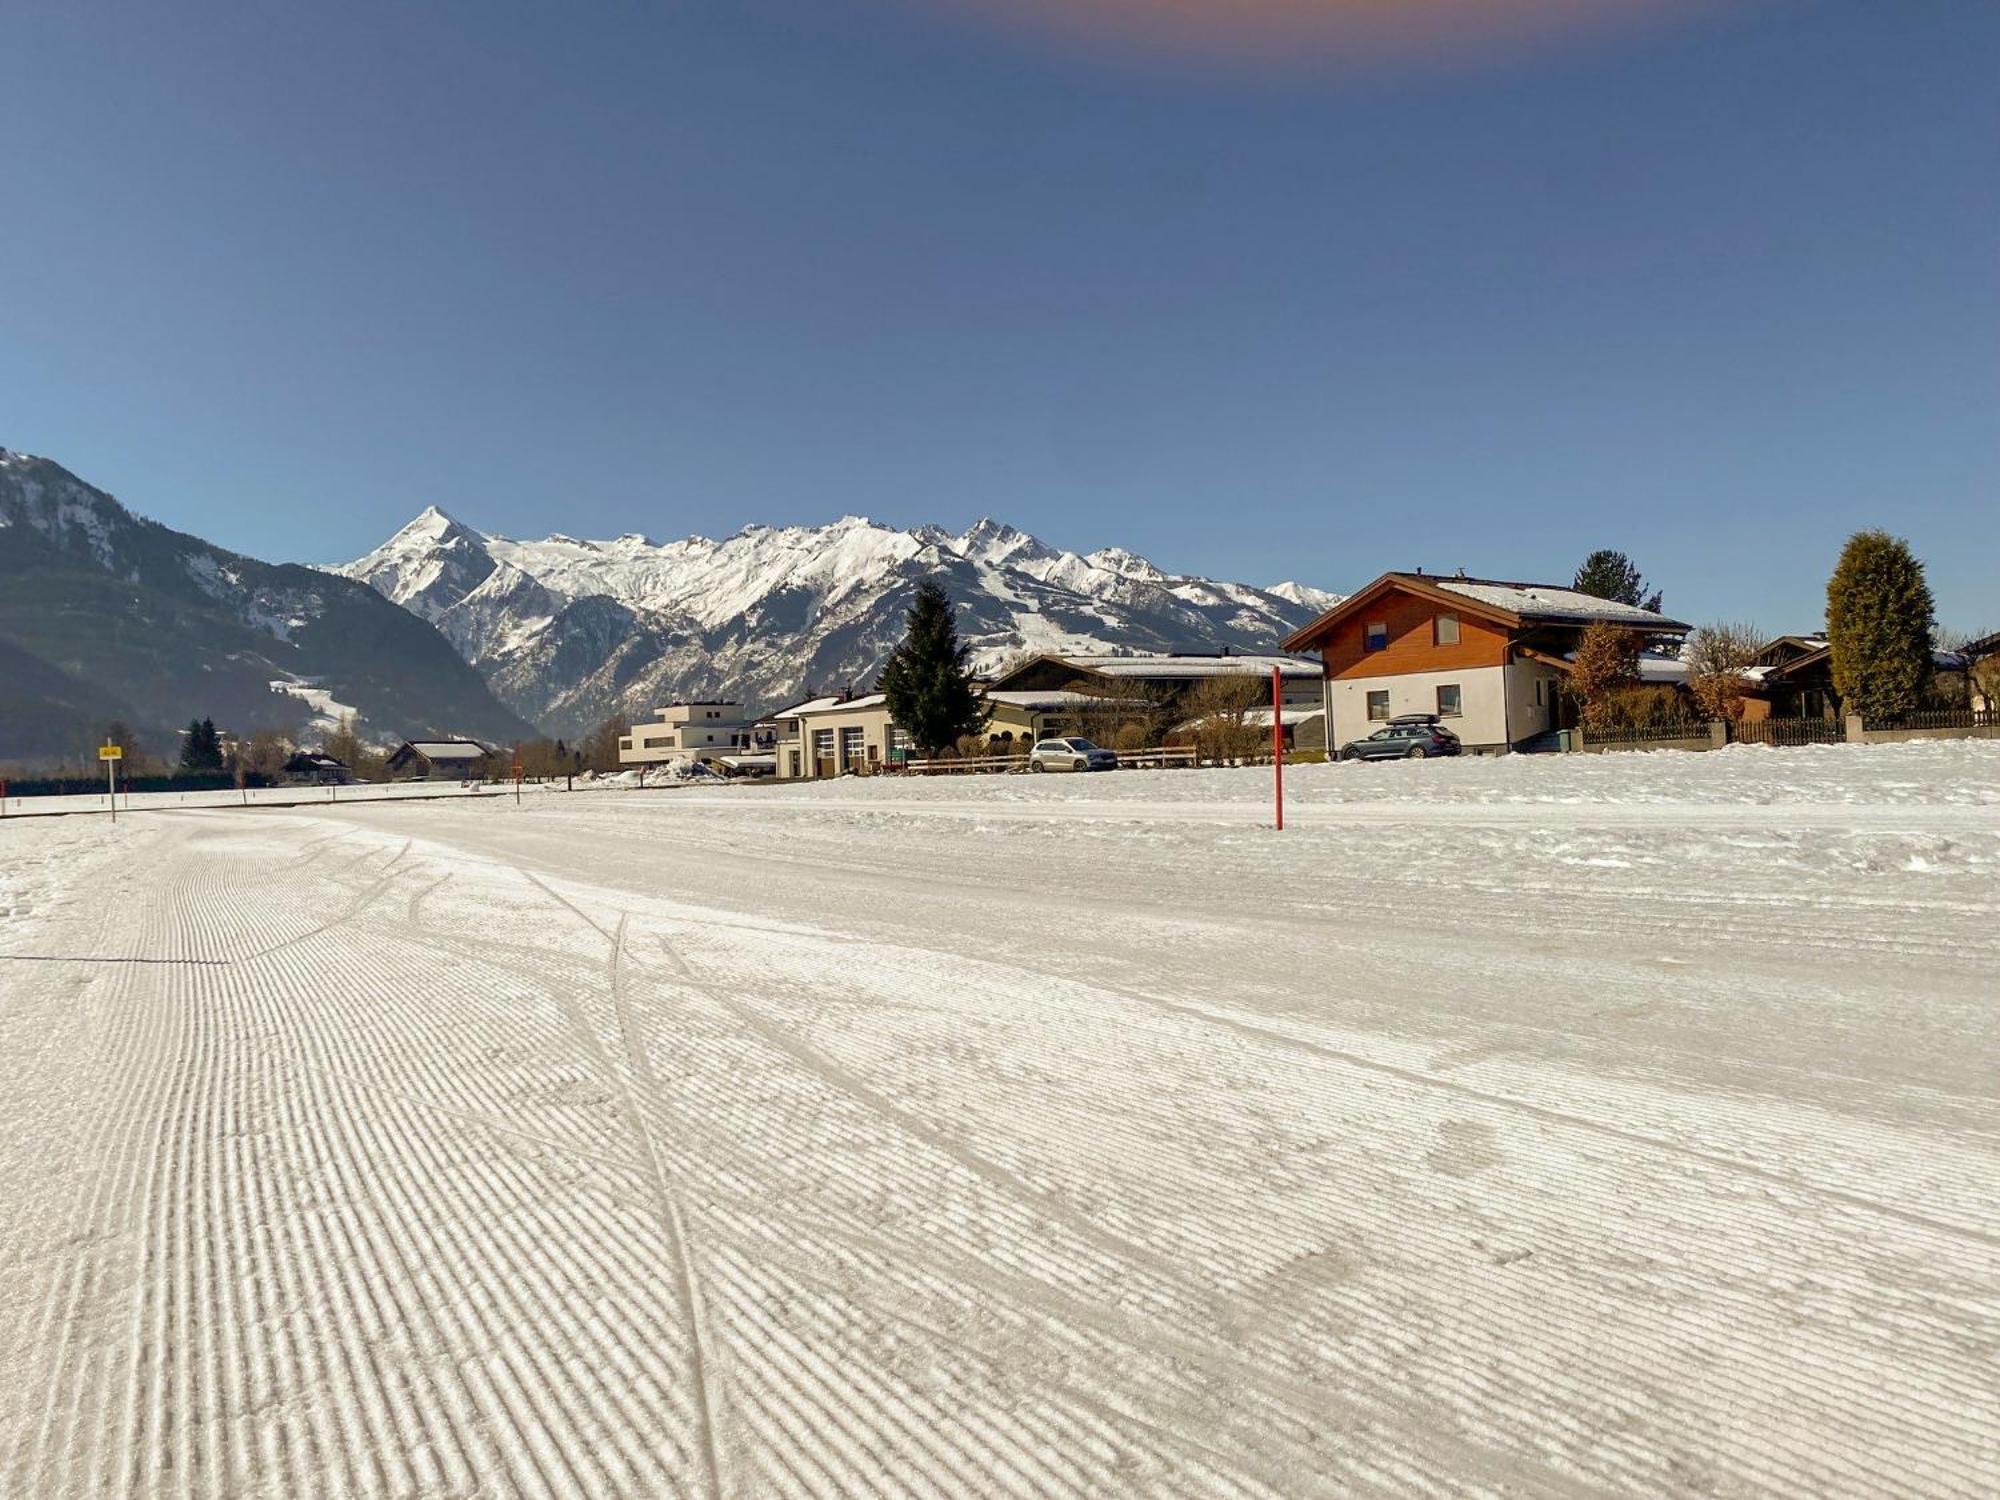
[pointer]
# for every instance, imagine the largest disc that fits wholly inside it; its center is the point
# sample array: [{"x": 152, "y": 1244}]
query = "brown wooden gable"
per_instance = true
[
  {"x": 1408, "y": 606},
  {"x": 1311, "y": 636}
]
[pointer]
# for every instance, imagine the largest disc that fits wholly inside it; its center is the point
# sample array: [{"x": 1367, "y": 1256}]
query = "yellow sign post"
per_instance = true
[{"x": 111, "y": 755}]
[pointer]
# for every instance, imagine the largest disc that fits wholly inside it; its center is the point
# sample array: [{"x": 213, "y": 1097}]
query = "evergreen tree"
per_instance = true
[
  {"x": 1879, "y": 621},
  {"x": 1606, "y": 574},
  {"x": 928, "y": 681},
  {"x": 202, "y": 749}
]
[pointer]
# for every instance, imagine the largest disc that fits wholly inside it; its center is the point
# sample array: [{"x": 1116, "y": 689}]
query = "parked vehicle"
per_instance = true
[
  {"x": 1071, "y": 754},
  {"x": 1410, "y": 737}
]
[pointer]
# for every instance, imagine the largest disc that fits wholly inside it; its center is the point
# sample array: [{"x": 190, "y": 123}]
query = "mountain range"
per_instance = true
[
  {"x": 567, "y": 632},
  {"x": 106, "y": 616}
]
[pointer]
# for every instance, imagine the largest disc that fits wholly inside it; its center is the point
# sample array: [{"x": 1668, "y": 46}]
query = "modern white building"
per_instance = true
[{"x": 704, "y": 730}]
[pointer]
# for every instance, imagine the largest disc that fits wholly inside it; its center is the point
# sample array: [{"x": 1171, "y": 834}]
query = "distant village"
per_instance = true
[
  {"x": 1414, "y": 664},
  {"x": 1487, "y": 666}
]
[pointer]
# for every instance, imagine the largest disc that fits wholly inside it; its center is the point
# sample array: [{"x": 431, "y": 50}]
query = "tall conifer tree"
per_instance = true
[
  {"x": 928, "y": 681},
  {"x": 1879, "y": 622}
]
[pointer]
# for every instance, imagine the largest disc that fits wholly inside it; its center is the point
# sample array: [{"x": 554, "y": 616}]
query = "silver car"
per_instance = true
[{"x": 1071, "y": 754}]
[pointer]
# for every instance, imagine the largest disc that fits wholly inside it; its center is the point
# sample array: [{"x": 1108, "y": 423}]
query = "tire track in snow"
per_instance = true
[{"x": 671, "y": 1214}]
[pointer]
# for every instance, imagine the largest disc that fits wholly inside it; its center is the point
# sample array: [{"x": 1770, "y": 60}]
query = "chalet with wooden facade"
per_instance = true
[
  {"x": 1792, "y": 678},
  {"x": 1487, "y": 657}
]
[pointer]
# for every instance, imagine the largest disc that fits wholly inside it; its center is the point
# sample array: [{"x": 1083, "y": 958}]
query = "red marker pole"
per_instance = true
[{"x": 1278, "y": 741}]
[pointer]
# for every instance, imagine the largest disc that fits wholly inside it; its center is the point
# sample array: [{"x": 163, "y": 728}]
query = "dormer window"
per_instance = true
[
  {"x": 1376, "y": 636},
  {"x": 1446, "y": 630}
]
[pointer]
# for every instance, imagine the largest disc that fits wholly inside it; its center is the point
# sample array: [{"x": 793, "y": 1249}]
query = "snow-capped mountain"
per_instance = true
[
  {"x": 105, "y": 615},
  {"x": 568, "y": 631}
]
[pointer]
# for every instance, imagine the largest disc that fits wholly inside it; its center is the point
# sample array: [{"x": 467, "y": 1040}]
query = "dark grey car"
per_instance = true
[{"x": 1412, "y": 737}]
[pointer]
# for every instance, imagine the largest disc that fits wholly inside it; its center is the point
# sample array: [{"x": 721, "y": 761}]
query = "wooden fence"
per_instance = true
[
  {"x": 1787, "y": 732},
  {"x": 993, "y": 765}
]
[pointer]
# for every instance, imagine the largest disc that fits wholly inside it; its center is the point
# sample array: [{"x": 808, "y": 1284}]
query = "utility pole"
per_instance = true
[{"x": 1278, "y": 742}]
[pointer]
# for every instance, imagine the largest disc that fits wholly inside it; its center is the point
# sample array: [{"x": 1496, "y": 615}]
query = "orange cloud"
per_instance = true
[{"x": 1318, "y": 30}]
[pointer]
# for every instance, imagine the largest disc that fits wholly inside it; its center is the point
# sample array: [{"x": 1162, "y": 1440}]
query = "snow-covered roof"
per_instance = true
[
  {"x": 833, "y": 705},
  {"x": 1189, "y": 667},
  {"x": 811, "y": 705},
  {"x": 1056, "y": 698},
  {"x": 1653, "y": 668},
  {"x": 450, "y": 749},
  {"x": 1290, "y": 716},
  {"x": 1544, "y": 601},
  {"x": 1261, "y": 718}
]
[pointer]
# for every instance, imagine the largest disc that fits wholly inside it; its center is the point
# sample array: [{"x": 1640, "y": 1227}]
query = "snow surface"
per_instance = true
[
  {"x": 1589, "y": 1125},
  {"x": 328, "y": 713}
]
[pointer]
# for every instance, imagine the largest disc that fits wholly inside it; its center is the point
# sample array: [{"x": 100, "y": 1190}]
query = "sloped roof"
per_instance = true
[
  {"x": 834, "y": 705},
  {"x": 1054, "y": 698},
  {"x": 1514, "y": 604},
  {"x": 449, "y": 749},
  {"x": 810, "y": 705},
  {"x": 1548, "y": 601},
  {"x": 1260, "y": 718},
  {"x": 1176, "y": 666}
]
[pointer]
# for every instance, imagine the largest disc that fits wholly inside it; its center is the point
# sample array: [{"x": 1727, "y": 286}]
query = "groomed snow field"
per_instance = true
[{"x": 1595, "y": 1125}]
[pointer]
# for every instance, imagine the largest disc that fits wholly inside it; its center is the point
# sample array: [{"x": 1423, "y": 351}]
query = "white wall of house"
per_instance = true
[
  {"x": 1482, "y": 691},
  {"x": 1531, "y": 699},
  {"x": 857, "y": 739}
]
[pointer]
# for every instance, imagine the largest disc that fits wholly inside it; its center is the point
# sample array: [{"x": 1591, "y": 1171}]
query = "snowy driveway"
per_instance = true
[{"x": 1623, "y": 1124}]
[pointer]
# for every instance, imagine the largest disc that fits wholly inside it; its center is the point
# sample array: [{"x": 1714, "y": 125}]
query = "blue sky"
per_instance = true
[{"x": 1716, "y": 291}]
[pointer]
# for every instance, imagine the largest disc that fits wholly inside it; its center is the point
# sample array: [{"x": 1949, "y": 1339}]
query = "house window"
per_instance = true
[
  {"x": 1447, "y": 630},
  {"x": 1378, "y": 704},
  {"x": 1449, "y": 702},
  {"x": 1376, "y": 637}
]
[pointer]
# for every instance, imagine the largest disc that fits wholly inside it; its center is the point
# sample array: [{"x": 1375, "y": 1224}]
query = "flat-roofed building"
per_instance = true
[{"x": 704, "y": 729}]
